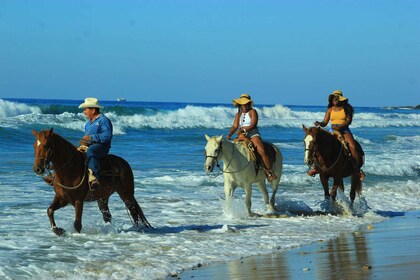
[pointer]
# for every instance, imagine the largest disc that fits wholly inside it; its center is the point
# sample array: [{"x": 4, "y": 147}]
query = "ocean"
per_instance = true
[{"x": 164, "y": 144}]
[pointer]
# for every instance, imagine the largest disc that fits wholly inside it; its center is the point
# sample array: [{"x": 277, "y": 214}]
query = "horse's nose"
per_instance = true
[
  {"x": 208, "y": 167},
  {"x": 38, "y": 170}
]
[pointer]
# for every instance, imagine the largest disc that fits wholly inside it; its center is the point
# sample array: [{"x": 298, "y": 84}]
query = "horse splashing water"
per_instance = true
[
  {"x": 323, "y": 150},
  {"x": 240, "y": 170},
  {"x": 70, "y": 179}
]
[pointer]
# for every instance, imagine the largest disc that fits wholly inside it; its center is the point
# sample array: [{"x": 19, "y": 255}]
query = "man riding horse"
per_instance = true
[{"x": 97, "y": 139}]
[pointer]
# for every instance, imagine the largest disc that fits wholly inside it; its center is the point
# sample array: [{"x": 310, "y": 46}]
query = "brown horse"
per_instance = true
[
  {"x": 70, "y": 179},
  {"x": 331, "y": 159}
]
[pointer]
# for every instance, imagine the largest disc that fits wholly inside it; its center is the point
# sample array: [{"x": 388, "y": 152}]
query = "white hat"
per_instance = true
[{"x": 90, "y": 102}]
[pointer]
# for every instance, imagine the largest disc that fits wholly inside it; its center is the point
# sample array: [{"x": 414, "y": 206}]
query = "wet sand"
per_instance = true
[{"x": 388, "y": 250}]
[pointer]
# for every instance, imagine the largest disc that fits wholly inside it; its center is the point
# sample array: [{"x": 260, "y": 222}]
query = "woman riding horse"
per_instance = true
[
  {"x": 246, "y": 119},
  {"x": 340, "y": 113}
]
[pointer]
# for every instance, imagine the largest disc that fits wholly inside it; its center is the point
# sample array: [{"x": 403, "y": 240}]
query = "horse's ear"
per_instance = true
[
  {"x": 34, "y": 132},
  {"x": 219, "y": 138},
  {"x": 304, "y": 128},
  {"x": 51, "y": 130},
  {"x": 207, "y": 137}
]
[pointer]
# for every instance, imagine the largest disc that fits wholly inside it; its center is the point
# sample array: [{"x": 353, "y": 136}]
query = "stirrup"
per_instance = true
[
  {"x": 94, "y": 185},
  {"x": 270, "y": 176}
]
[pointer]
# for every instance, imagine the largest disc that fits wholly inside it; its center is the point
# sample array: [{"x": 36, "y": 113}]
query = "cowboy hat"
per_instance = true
[
  {"x": 242, "y": 100},
  {"x": 337, "y": 93},
  {"x": 90, "y": 102}
]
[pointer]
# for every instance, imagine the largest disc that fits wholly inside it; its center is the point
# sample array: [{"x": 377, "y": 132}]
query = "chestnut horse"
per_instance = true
[
  {"x": 323, "y": 150},
  {"x": 70, "y": 179}
]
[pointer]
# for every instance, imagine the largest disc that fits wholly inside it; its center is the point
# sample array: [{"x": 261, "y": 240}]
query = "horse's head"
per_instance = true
[
  {"x": 43, "y": 150},
  {"x": 213, "y": 151},
  {"x": 310, "y": 143}
]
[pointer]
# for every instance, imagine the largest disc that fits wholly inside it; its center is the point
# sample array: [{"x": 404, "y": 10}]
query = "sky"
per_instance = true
[{"x": 280, "y": 52}]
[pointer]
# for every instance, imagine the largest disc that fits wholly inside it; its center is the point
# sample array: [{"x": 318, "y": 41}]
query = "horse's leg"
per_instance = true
[
  {"x": 324, "y": 182},
  {"x": 275, "y": 186},
  {"x": 78, "y": 206},
  {"x": 229, "y": 189},
  {"x": 338, "y": 183},
  {"x": 103, "y": 207},
  {"x": 248, "y": 194},
  {"x": 356, "y": 186},
  {"x": 263, "y": 189},
  {"x": 56, "y": 204}
]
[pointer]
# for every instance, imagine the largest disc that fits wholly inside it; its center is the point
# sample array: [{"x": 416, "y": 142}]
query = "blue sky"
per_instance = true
[{"x": 280, "y": 52}]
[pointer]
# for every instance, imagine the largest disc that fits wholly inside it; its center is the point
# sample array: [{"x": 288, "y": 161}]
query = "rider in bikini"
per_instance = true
[
  {"x": 247, "y": 120},
  {"x": 340, "y": 113}
]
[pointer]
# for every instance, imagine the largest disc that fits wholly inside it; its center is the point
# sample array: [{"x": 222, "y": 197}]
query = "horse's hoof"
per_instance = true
[{"x": 58, "y": 231}]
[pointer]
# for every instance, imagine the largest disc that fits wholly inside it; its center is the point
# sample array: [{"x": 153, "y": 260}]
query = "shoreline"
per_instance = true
[{"x": 387, "y": 250}]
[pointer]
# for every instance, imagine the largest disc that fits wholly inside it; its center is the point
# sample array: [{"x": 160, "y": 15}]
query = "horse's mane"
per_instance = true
[
  {"x": 238, "y": 146},
  {"x": 322, "y": 134},
  {"x": 58, "y": 139}
]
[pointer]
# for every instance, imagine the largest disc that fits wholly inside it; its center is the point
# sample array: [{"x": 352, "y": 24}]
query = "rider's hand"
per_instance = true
[
  {"x": 229, "y": 136},
  {"x": 86, "y": 137}
]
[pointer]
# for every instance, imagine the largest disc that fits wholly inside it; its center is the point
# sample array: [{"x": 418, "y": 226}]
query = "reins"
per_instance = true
[
  {"x": 324, "y": 170},
  {"x": 48, "y": 169},
  {"x": 227, "y": 166}
]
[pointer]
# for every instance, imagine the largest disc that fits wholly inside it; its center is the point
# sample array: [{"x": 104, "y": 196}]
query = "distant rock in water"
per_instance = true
[{"x": 405, "y": 107}]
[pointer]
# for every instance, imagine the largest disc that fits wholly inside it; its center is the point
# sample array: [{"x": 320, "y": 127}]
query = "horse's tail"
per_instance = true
[
  {"x": 141, "y": 216},
  {"x": 137, "y": 213}
]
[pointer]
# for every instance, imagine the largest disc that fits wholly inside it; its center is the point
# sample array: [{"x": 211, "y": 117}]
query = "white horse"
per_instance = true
[{"x": 239, "y": 169}]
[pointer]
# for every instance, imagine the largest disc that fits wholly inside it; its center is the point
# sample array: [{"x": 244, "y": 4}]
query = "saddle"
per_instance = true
[
  {"x": 256, "y": 157},
  {"x": 343, "y": 142}
]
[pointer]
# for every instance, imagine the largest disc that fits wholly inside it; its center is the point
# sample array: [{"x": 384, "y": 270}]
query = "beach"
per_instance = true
[
  {"x": 387, "y": 250},
  {"x": 196, "y": 232}
]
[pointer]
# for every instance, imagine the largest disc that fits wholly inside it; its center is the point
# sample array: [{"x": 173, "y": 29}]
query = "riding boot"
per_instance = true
[{"x": 93, "y": 181}]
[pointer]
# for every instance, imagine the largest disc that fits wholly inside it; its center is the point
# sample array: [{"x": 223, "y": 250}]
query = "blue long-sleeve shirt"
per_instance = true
[{"x": 100, "y": 130}]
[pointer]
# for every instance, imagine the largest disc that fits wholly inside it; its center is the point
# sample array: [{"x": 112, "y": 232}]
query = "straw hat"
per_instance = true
[
  {"x": 337, "y": 93},
  {"x": 90, "y": 102},
  {"x": 242, "y": 100}
]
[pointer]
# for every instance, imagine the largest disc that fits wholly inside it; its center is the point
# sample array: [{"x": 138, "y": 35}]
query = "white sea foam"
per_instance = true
[
  {"x": 193, "y": 224},
  {"x": 11, "y": 109},
  {"x": 218, "y": 117}
]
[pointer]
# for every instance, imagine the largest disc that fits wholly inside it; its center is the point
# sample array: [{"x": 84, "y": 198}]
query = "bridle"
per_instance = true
[
  {"x": 48, "y": 167},
  {"x": 314, "y": 157},
  {"x": 215, "y": 158}
]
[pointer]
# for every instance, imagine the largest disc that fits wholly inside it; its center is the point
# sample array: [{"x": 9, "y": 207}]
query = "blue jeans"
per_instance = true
[
  {"x": 95, "y": 153},
  {"x": 344, "y": 129}
]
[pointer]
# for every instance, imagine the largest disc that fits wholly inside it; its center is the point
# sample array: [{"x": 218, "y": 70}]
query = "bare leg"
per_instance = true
[
  {"x": 261, "y": 151},
  {"x": 356, "y": 161}
]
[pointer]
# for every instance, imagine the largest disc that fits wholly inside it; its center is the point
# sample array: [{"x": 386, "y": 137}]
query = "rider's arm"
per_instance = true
[
  {"x": 234, "y": 126},
  {"x": 103, "y": 133},
  {"x": 326, "y": 119}
]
